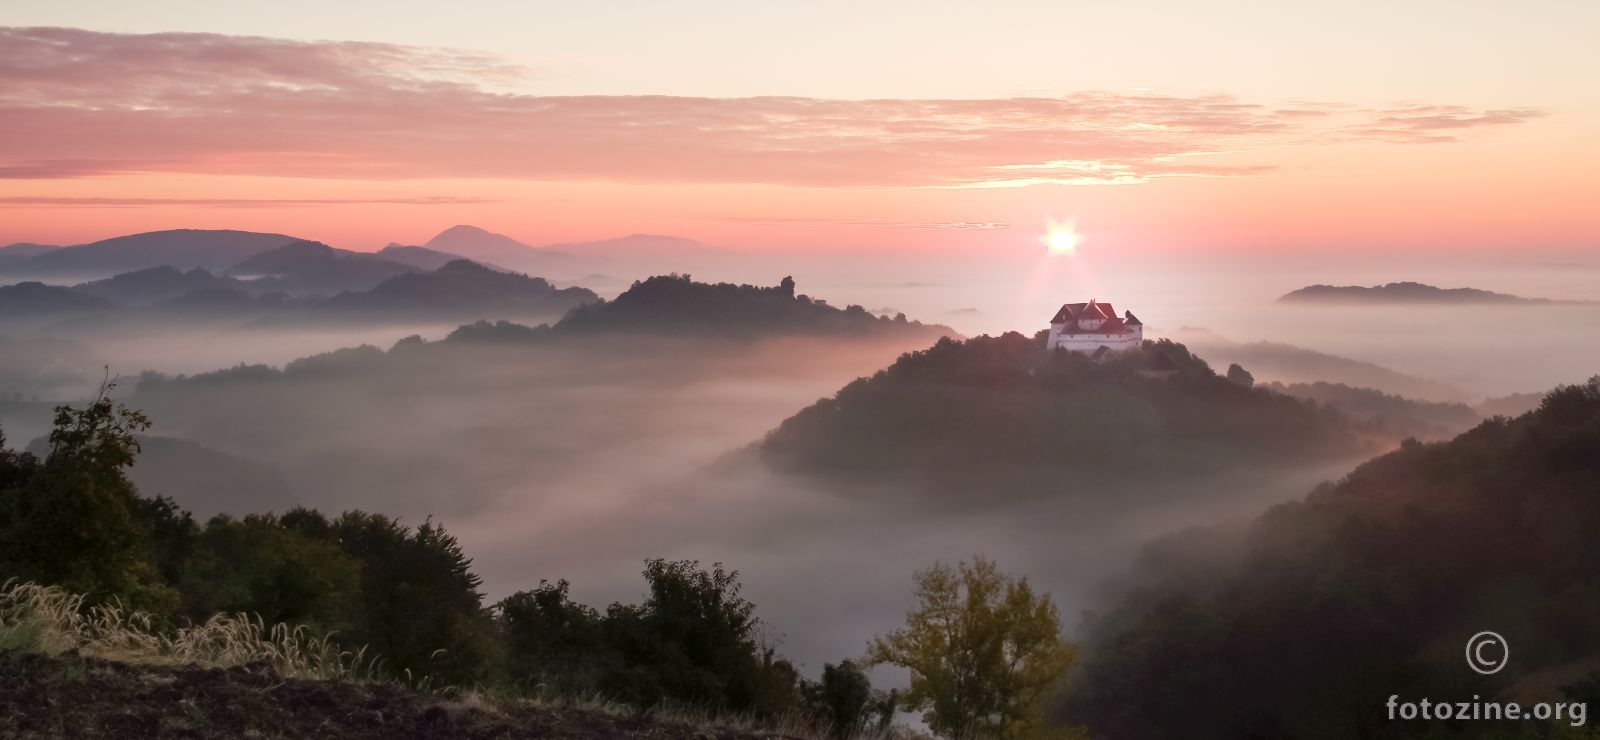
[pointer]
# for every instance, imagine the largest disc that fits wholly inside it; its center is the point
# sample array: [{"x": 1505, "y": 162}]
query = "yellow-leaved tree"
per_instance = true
[{"x": 983, "y": 649}]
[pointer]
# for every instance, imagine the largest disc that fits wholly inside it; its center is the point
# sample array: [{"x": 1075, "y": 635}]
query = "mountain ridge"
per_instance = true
[{"x": 1405, "y": 293}]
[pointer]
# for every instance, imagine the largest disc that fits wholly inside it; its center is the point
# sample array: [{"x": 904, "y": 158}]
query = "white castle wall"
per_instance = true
[{"x": 1091, "y": 342}]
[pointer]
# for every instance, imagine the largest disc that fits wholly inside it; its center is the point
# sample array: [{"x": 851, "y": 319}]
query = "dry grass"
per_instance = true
[{"x": 53, "y": 621}]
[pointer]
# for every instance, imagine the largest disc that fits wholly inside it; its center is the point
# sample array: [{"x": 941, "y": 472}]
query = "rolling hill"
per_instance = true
[
  {"x": 1004, "y": 414},
  {"x": 1287, "y": 363},
  {"x": 677, "y": 305},
  {"x": 1400, "y": 293},
  {"x": 421, "y": 258},
  {"x": 13, "y": 255},
  {"x": 37, "y": 299},
  {"x": 1308, "y": 620},
  {"x": 491, "y": 248},
  {"x": 213, "y": 250},
  {"x": 155, "y": 284},
  {"x": 311, "y": 268},
  {"x": 463, "y": 290}
]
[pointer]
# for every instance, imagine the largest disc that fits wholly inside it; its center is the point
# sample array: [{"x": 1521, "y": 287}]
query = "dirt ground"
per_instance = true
[{"x": 76, "y": 697}]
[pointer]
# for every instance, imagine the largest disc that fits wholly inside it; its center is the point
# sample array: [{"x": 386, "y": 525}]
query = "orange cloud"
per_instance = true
[{"x": 78, "y": 103}]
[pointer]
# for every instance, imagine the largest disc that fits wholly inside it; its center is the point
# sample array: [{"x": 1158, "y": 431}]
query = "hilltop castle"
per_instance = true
[{"x": 1087, "y": 327}]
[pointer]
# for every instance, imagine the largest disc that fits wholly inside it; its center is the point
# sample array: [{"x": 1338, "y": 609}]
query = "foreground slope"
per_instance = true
[
  {"x": 90, "y": 698},
  {"x": 1305, "y": 624}
]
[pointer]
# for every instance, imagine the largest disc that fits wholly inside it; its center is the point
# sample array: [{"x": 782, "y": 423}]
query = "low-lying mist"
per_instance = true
[{"x": 581, "y": 458}]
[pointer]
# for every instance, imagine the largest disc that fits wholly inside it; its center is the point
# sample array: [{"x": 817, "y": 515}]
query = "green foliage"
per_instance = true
[
  {"x": 693, "y": 641},
  {"x": 844, "y": 702},
  {"x": 552, "y": 643},
  {"x": 74, "y": 520},
  {"x": 1006, "y": 413},
  {"x": 420, "y": 607},
  {"x": 1366, "y": 588},
  {"x": 258, "y": 565},
  {"x": 982, "y": 649}
]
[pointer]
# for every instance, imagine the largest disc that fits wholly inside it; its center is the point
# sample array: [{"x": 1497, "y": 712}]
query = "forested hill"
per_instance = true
[
  {"x": 1407, "y": 292},
  {"x": 996, "y": 411},
  {"x": 1370, "y": 587},
  {"x": 675, "y": 304}
]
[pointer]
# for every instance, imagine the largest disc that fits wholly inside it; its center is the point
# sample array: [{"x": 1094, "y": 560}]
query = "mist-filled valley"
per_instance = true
[
  {"x": 826, "y": 453},
  {"x": 717, "y": 370}
]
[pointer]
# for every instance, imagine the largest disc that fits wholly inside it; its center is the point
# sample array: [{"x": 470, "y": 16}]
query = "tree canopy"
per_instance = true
[{"x": 983, "y": 649}]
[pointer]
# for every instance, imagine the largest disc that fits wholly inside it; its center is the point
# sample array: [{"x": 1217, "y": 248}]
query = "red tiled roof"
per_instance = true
[{"x": 1072, "y": 313}]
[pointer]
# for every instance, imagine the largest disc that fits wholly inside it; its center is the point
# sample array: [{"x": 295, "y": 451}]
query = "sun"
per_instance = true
[{"x": 1062, "y": 239}]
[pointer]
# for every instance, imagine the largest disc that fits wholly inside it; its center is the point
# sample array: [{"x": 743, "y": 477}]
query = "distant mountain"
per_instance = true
[
  {"x": 34, "y": 299},
  {"x": 636, "y": 254},
  {"x": 636, "y": 246},
  {"x": 307, "y": 267},
  {"x": 155, "y": 284},
  {"x": 1400, "y": 293},
  {"x": 1004, "y": 415},
  {"x": 678, "y": 305},
  {"x": 26, "y": 249},
  {"x": 1306, "y": 623},
  {"x": 180, "y": 248},
  {"x": 491, "y": 248},
  {"x": 1286, "y": 363},
  {"x": 12, "y": 255},
  {"x": 421, "y": 258},
  {"x": 462, "y": 289}
]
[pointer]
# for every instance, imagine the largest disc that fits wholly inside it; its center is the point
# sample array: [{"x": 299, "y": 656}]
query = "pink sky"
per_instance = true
[{"x": 360, "y": 143}]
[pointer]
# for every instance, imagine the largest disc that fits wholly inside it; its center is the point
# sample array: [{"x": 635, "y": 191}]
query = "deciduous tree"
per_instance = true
[{"x": 982, "y": 648}]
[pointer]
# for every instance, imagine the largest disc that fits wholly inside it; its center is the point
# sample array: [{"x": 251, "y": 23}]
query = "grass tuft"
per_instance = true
[{"x": 50, "y": 620}]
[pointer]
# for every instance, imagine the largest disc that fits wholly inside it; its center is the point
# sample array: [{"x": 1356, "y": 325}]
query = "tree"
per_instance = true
[
  {"x": 420, "y": 608},
  {"x": 982, "y": 649},
  {"x": 553, "y": 642},
  {"x": 844, "y": 703},
  {"x": 75, "y": 519},
  {"x": 692, "y": 641},
  {"x": 1240, "y": 376},
  {"x": 259, "y": 566}
]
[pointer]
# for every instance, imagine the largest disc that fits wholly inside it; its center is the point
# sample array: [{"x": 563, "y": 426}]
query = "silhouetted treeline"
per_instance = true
[
  {"x": 406, "y": 594},
  {"x": 1392, "y": 414},
  {"x": 1367, "y": 588},
  {"x": 1004, "y": 411},
  {"x": 307, "y": 282},
  {"x": 676, "y": 304}
]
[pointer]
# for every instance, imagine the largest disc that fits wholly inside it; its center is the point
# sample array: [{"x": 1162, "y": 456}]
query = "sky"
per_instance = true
[{"x": 1170, "y": 126}]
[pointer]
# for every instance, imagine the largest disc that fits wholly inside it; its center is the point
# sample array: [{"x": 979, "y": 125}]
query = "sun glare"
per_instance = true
[{"x": 1062, "y": 240}]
